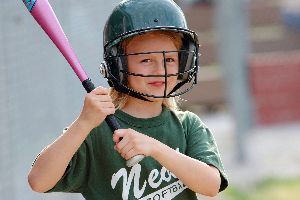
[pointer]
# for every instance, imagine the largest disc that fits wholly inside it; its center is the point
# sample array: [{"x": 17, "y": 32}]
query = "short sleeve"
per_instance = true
[
  {"x": 76, "y": 176},
  {"x": 202, "y": 146}
]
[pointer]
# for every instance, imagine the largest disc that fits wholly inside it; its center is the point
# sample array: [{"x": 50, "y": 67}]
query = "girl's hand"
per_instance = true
[
  {"x": 97, "y": 105},
  {"x": 133, "y": 143}
]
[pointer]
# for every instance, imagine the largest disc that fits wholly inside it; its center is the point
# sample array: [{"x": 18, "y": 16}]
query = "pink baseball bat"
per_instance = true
[
  {"x": 43, "y": 13},
  {"x": 45, "y": 16}
]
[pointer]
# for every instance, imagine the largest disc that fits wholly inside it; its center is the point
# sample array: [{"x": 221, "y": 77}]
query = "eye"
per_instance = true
[
  {"x": 146, "y": 60},
  {"x": 170, "y": 60}
]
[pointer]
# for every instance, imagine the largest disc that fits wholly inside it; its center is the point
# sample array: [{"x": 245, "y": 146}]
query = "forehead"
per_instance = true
[{"x": 153, "y": 41}]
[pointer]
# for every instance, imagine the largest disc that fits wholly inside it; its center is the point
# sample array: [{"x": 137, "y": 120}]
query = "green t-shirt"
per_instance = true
[{"x": 98, "y": 172}]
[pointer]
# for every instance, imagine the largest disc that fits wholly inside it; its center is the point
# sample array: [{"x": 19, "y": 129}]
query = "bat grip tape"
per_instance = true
[{"x": 88, "y": 85}]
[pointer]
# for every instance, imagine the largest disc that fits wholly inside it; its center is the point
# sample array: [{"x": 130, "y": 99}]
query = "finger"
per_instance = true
[
  {"x": 126, "y": 149},
  {"x": 90, "y": 98},
  {"x": 100, "y": 90},
  {"x": 117, "y": 136},
  {"x": 120, "y": 133},
  {"x": 104, "y": 105},
  {"x": 130, "y": 154},
  {"x": 122, "y": 143},
  {"x": 101, "y": 98},
  {"x": 108, "y": 111}
]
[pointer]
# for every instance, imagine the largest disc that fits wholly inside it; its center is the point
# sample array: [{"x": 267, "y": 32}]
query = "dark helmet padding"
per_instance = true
[{"x": 187, "y": 57}]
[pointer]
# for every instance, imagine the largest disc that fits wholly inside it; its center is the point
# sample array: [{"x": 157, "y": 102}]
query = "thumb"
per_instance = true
[{"x": 118, "y": 135}]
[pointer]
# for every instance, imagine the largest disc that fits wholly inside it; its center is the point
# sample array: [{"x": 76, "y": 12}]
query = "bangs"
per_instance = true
[{"x": 174, "y": 36}]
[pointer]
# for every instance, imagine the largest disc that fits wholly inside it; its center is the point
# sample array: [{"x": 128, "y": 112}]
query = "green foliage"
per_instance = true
[{"x": 270, "y": 189}]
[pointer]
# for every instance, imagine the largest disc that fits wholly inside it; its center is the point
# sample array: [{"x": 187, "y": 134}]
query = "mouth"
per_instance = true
[{"x": 157, "y": 83}]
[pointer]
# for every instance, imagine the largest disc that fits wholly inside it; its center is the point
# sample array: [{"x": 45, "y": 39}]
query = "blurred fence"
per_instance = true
[
  {"x": 275, "y": 83},
  {"x": 274, "y": 37},
  {"x": 40, "y": 94}
]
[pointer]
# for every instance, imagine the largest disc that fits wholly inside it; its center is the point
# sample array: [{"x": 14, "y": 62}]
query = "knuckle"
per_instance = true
[
  {"x": 123, "y": 155},
  {"x": 88, "y": 97},
  {"x": 100, "y": 88},
  {"x": 130, "y": 131}
]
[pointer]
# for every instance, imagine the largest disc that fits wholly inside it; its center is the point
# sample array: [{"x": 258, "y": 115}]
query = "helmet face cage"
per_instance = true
[
  {"x": 186, "y": 73},
  {"x": 116, "y": 60}
]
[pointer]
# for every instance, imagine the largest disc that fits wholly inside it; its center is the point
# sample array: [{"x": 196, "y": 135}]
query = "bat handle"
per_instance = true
[
  {"x": 88, "y": 85},
  {"x": 112, "y": 123}
]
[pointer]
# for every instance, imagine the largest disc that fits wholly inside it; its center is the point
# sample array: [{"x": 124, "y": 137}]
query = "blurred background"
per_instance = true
[{"x": 248, "y": 92}]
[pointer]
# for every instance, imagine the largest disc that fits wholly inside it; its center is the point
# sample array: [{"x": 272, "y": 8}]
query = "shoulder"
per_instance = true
[
  {"x": 189, "y": 121},
  {"x": 187, "y": 117}
]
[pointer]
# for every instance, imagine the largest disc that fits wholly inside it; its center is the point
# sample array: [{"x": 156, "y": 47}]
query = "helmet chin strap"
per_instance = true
[
  {"x": 121, "y": 88},
  {"x": 179, "y": 85}
]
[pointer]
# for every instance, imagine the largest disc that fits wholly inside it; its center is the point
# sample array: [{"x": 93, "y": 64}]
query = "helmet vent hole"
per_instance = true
[{"x": 156, "y": 20}]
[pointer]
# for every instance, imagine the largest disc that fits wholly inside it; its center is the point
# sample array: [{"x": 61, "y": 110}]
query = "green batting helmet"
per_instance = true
[{"x": 135, "y": 17}]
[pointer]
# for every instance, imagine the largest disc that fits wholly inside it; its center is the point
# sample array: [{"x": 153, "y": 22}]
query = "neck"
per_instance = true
[{"x": 142, "y": 109}]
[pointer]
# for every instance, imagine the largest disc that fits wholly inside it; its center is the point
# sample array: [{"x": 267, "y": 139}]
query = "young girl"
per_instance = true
[{"x": 150, "y": 57}]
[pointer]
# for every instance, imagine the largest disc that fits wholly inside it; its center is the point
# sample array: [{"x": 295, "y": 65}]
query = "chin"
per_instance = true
[{"x": 156, "y": 99}]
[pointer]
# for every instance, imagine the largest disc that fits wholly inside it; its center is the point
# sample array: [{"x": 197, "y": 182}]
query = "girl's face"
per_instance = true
[{"x": 152, "y": 64}]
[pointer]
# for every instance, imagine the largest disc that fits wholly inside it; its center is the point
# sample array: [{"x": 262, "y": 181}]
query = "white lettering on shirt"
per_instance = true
[
  {"x": 134, "y": 173},
  {"x": 154, "y": 181}
]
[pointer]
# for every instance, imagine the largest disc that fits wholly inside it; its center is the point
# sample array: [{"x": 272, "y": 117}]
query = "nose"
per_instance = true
[{"x": 160, "y": 67}]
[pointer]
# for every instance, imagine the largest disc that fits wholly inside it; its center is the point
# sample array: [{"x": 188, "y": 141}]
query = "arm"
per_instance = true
[
  {"x": 196, "y": 175},
  {"x": 188, "y": 170},
  {"x": 52, "y": 162}
]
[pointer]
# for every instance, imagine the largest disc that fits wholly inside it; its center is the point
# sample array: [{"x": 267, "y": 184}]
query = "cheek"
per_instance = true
[
  {"x": 135, "y": 81},
  {"x": 173, "y": 70},
  {"x": 172, "y": 81},
  {"x": 136, "y": 68}
]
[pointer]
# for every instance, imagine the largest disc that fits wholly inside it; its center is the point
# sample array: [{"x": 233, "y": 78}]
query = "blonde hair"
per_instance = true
[
  {"x": 120, "y": 99},
  {"x": 174, "y": 36}
]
